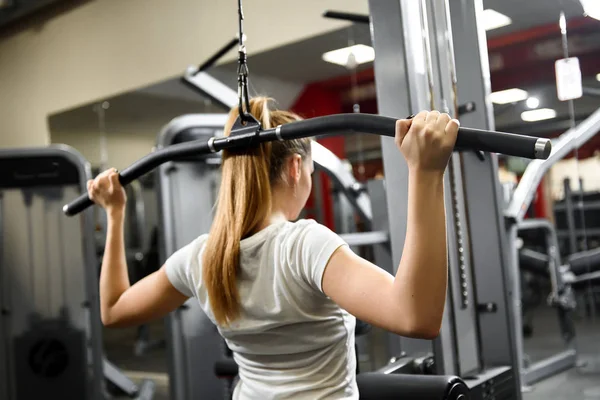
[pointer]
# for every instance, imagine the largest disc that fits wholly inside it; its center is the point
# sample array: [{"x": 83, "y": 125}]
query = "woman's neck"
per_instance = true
[{"x": 276, "y": 217}]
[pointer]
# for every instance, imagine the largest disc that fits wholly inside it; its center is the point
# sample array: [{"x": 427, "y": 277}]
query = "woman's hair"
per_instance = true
[{"x": 244, "y": 203}]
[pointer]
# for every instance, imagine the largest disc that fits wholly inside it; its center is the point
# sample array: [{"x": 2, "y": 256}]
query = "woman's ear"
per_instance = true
[{"x": 295, "y": 165}]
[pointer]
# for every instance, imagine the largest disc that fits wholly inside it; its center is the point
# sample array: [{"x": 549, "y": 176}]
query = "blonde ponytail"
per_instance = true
[{"x": 244, "y": 203}]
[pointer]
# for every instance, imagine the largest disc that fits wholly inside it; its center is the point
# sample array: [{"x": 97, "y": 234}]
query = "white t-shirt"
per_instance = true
[{"x": 291, "y": 341}]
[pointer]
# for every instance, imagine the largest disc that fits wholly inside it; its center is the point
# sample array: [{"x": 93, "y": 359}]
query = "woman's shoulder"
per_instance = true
[
  {"x": 309, "y": 223},
  {"x": 300, "y": 226},
  {"x": 195, "y": 246},
  {"x": 309, "y": 229}
]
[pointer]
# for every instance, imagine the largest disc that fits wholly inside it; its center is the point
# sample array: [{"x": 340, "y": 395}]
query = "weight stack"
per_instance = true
[{"x": 50, "y": 362}]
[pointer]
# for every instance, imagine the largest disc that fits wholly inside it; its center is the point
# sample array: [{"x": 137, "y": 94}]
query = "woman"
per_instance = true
[{"x": 284, "y": 295}]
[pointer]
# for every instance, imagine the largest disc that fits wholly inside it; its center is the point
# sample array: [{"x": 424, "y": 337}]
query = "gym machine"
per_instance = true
[
  {"x": 577, "y": 219},
  {"x": 579, "y": 214},
  {"x": 141, "y": 246},
  {"x": 562, "y": 277},
  {"x": 50, "y": 329},
  {"x": 433, "y": 55}
]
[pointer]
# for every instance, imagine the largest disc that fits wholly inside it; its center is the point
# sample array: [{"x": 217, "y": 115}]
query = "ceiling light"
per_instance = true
[
  {"x": 508, "y": 96},
  {"x": 357, "y": 54},
  {"x": 591, "y": 8},
  {"x": 598, "y": 77},
  {"x": 538, "y": 115},
  {"x": 492, "y": 19},
  {"x": 533, "y": 102}
]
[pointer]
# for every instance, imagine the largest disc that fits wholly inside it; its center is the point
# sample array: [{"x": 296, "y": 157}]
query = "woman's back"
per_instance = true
[{"x": 290, "y": 340}]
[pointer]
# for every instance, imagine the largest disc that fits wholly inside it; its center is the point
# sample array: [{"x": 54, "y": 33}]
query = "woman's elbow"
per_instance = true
[
  {"x": 423, "y": 329},
  {"x": 106, "y": 320},
  {"x": 109, "y": 320},
  {"x": 426, "y": 332}
]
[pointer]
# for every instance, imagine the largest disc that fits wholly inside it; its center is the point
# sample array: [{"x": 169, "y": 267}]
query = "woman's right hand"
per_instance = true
[
  {"x": 107, "y": 192},
  {"x": 427, "y": 140}
]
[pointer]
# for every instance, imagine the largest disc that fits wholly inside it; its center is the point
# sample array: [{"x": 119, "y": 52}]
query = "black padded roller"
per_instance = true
[{"x": 377, "y": 386}]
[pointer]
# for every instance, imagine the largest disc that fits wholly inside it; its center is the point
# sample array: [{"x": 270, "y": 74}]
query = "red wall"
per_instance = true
[{"x": 316, "y": 101}]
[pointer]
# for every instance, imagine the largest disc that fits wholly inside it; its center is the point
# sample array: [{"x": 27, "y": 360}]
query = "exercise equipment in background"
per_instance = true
[{"x": 50, "y": 329}]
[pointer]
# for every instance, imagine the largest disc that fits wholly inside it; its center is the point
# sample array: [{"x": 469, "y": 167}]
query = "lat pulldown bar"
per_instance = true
[{"x": 252, "y": 134}]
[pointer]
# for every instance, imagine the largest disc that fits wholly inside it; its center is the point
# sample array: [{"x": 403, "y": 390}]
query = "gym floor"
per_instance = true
[{"x": 582, "y": 382}]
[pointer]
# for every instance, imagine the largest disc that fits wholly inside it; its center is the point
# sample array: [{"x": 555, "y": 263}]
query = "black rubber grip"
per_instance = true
[
  {"x": 340, "y": 123},
  {"x": 468, "y": 139},
  {"x": 509, "y": 144}
]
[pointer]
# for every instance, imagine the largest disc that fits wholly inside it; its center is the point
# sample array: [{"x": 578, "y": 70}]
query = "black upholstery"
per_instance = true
[
  {"x": 226, "y": 368},
  {"x": 379, "y": 386},
  {"x": 376, "y": 386},
  {"x": 585, "y": 262},
  {"x": 361, "y": 328}
]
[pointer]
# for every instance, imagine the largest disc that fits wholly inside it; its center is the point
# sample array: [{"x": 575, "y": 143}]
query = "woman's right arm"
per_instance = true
[{"x": 411, "y": 303}]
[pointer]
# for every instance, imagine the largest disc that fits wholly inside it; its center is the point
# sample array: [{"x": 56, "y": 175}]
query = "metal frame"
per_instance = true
[
  {"x": 535, "y": 171},
  {"x": 552, "y": 250},
  {"x": 483, "y": 193},
  {"x": 414, "y": 74},
  {"x": 570, "y": 216},
  {"x": 327, "y": 162},
  {"x": 389, "y": 27},
  {"x": 210, "y": 87},
  {"x": 93, "y": 328},
  {"x": 366, "y": 238},
  {"x": 189, "y": 332},
  {"x": 386, "y": 346},
  {"x": 514, "y": 215},
  {"x": 587, "y": 277},
  {"x": 546, "y": 368},
  {"x": 5, "y": 388},
  {"x": 567, "y": 358},
  {"x": 135, "y": 228}
]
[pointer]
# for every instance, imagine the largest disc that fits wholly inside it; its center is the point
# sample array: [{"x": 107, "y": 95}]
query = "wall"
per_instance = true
[
  {"x": 133, "y": 120},
  {"x": 284, "y": 92},
  {"x": 105, "y": 47},
  {"x": 123, "y": 148}
]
